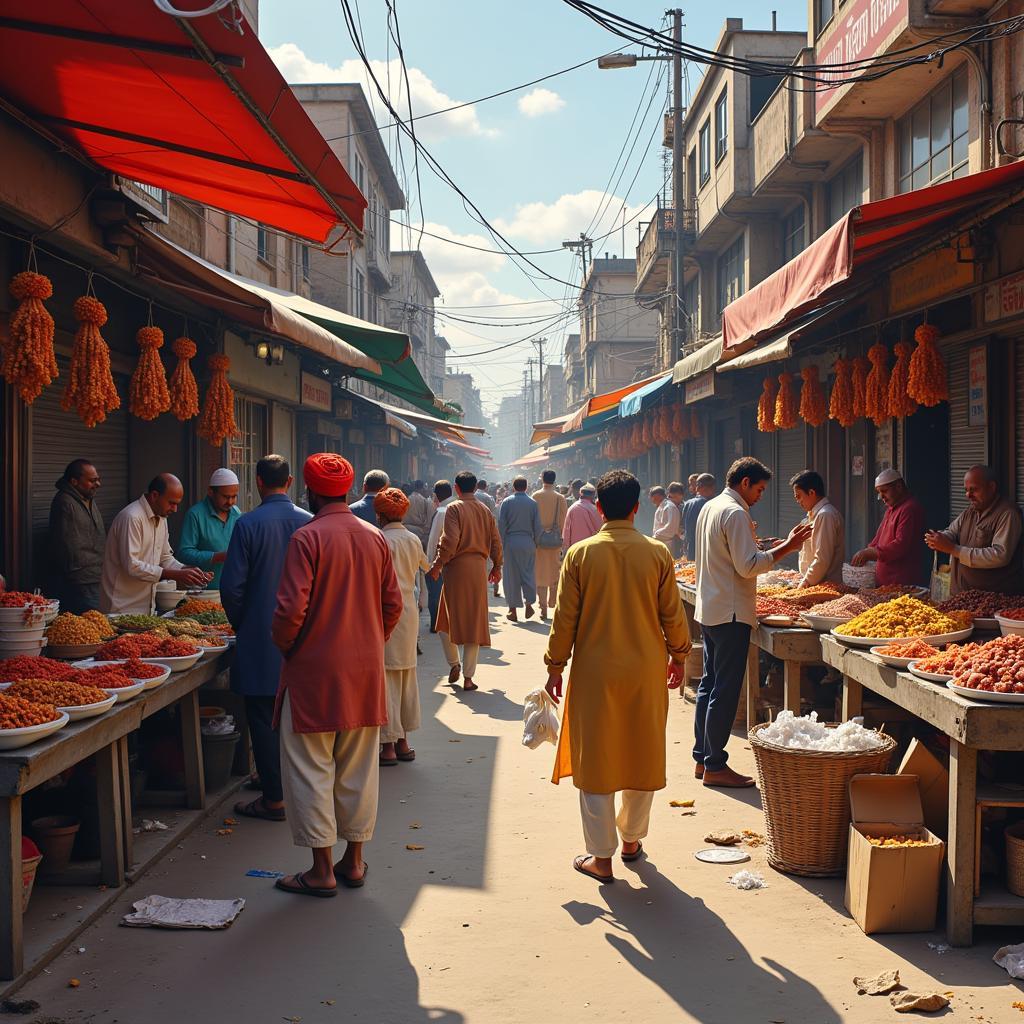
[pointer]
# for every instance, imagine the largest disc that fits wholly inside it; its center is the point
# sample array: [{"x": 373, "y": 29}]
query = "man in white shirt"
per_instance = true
[
  {"x": 728, "y": 564},
  {"x": 443, "y": 497},
  {"x": 821, "y": 557},
  {"x": 667, "y": 516},
  {"x": 138, "y": 553}
]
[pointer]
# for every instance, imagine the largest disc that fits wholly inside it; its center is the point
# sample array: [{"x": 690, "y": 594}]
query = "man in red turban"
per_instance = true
[{"x": 337, "y": 604}]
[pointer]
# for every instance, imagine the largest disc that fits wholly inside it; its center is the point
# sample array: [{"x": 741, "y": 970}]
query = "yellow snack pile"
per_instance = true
[
  {"x": 897, "y": 841},
  {"x": 72, "y": 630},
  {"x": 904, "y": 617}
]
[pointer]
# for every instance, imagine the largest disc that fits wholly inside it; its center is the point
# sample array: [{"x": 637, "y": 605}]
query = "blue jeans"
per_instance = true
[
  {"x": 725, "y": 665},
  {"x": 434, "y": 598}
]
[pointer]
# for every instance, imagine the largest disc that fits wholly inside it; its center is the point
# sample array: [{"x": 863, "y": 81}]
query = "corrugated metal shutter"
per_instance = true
[
  {"x": 968, "y": 445},
  {"x": 763, "y": 448},
  {"x": 57, "y": 437},
  {"x": 1019, "y": 416},
  {"x": 790, "y": 459}
]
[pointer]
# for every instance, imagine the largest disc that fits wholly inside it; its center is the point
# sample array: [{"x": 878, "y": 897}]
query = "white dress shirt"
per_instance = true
[
  {"x": 728, "y": 562},
  {"x": 667, "y": 522},
  {"x": 821, "y": 555},
  {"x": 435, "y": 529},
  {"x": 137, "y": 552}
]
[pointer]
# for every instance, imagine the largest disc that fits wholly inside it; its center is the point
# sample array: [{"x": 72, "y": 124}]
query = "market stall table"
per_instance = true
[{"x": 971, "y": 726}]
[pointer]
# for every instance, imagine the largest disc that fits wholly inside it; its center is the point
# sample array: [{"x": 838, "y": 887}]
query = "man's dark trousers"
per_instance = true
[{"x": 725, "y": 664}]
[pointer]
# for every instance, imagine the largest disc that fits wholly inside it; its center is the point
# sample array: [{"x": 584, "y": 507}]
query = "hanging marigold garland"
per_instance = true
[
  {"x": 900, "y": 402},
  {"x": 876, "y": 402},
  {"x": 664, "y": 431},
  {"x": 785, "y": 403},
  {"x": 90, "y": 390},
  {"x": 927, "y": 384},
  {"x": 147, "y": 392},
  {"x": 218, "y": 419},
  {"x": 29, "y": 364},
  {"x": 695, "y": 430},
  {"x": 861, "y": 369},
  {"x": 183, "y": 387},
  {"x": 678, "y": 428},
  {"x": 766, "y": 405},
  {"x": 840, "y": 403},
  {"x": 812, "y": 398}
]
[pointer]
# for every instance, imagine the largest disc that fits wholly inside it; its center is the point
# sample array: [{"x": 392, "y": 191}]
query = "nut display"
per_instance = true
[
  {"x": 18, "y": 713},
  {"x": 24, "y": 667},
  {"x": 982, "y": 603},
  {"x": 102, "y": 623},
  {"x": 879, "y": 595},
  {"x": 900, "y": 618},
  {"x": 59, "y": 694},
  {"x": 996, "y": 666},
  {"x": 848, "y": 604},
  {"x": 191, "y": 608},
  {"x": 183, "y": 627},
  {"x": 69, "y": 630}
]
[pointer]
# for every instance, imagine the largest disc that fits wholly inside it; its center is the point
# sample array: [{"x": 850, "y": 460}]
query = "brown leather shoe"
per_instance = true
[
  {"x": 698, "y": 771},
  {"x": 530, "y": 611},
  {"x": 726, "y": 778},
  {"x": 512, "y": 616}
]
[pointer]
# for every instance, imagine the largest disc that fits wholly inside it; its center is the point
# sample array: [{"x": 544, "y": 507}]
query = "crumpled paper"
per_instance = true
[
  {"x": 879, "y": 985},
  {"x": 1011, "y": 959},
  {"x": 909, "y": 1002},
  {"x": 725, "y": 837},
  {"x": 163, "y": 912}
]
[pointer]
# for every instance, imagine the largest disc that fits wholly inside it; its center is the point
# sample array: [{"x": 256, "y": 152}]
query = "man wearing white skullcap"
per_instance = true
[
  {"x": 898, "y": 545},
  {"x": 208, "y": 525}
]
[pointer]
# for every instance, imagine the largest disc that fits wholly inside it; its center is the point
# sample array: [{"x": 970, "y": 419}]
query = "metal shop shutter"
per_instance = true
[
  {"x": 968, "y": 446},
  {"x": 1019, "y": 416},
  {"x": 790, "y": 459},
  {"x": 763, "y": 449}
]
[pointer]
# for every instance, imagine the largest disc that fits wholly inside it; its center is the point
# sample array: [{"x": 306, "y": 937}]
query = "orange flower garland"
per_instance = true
[
  {"x": 785, "y": 403},
  {"x": 766, "y": 405},
  {"x": 812, "y": 398},
  {"x": 861, "y": 368},
  {"x": 147, "y": 393},
  {"x": 665, "y": 424},
  {"x": 694, "y": 425},
  {"x": 183, "y": 387},
  {"x": 218, "y": 420},
  {"x": 900, "y": 402},
  {"x": 927, "y": 383},
  {"x": 840, "y": 406},
  {"x": 876, "y": 402},
  {"x": 680, "y": 423},
  {"x": 29, "y": 364},
  {"x": 90, "y": 389}
]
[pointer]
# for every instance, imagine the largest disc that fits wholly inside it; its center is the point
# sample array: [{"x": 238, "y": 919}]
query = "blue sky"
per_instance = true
[{"x": 537, "y": 162}]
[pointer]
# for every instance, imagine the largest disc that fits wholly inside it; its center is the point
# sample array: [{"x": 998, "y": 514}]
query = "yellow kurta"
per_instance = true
[
  {"x": 620, "y": 617},
  {"x": 552, "y": 507}
]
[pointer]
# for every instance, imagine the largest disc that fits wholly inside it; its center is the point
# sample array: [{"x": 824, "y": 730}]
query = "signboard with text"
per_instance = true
[
  {"x": 977, "y": 386},
  {"x": 315, "y": 392},
  {"x": 700, "y": 387},
  {"x": 1005, "y": 298},
  {"x": 929, "y": 277}
]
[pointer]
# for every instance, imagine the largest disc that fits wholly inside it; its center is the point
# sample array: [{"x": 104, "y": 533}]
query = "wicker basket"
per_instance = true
[
  {"x": 1014, "y": 835},
  {"x": 807, "y": 804}
]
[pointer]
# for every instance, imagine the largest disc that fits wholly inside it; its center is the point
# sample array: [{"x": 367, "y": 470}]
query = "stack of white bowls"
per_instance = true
[{"x": 22, "y": 631}]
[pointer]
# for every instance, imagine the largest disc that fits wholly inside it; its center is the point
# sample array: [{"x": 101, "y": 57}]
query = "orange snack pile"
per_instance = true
[
  {"x": 997, "y": 666},
  {"x": 58, "y": 693},
  {"x": 812, "y": 398},
  {"x": 909, "y": 649},
  {"x": 949, "y": 661},
  {"x": 101, "y": 622},
  {"x": 29, "y": 363},
  {"x": 898, "y": 842},
  {"x": 24, "y": 667},
  {"x": 18, "y": 713},
  {"x": 197, "y": 606}
]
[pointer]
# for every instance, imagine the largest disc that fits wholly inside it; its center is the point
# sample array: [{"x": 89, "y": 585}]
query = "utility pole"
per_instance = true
[
  {"x": 533, "y": 394},
  {"x": 524, "y": 436},
  {"x": 539, "y": 343},
  {"x": 678, "y": 190}
]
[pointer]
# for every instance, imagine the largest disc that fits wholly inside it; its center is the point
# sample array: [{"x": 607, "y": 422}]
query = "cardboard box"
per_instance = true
[
  {"x": 933, "y": 784},
  {"x": 891, "y": 889}
]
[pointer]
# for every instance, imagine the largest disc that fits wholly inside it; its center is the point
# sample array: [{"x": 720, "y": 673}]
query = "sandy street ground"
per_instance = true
[{"x": 488, "y": 923}]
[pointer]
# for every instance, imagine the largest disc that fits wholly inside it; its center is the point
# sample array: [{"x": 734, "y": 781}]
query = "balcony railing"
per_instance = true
[{"x": 657, "y": 243}]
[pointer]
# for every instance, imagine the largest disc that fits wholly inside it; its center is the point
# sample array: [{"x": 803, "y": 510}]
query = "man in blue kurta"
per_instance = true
[
  {"x": 373, "y": 483},
  {"x": 519, "y": 528},
  {"x": 248, "y": 591},
  {"x": 206, "y": 531}
]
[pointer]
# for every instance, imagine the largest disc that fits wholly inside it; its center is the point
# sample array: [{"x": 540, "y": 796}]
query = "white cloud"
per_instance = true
[
  {"x": 297, "y": 69},
  {"x": 550, "y": 223},
  {"x": 540, "y": 102},
  {"x": 444, "y": 258}
]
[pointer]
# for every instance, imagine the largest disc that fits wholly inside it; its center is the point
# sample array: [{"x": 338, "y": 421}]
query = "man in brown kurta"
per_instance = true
[
  {"x": 552, "y": 507},
  {"x": 468, "y": 538},
  {"x": 984, "y": 541}
]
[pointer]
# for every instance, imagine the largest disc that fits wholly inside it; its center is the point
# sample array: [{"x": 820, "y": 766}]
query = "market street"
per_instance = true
[{"x": 488, "y": 922}]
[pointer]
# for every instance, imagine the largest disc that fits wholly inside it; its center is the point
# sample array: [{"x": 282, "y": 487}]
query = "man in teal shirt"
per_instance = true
[{"x": 208, "y": 525}]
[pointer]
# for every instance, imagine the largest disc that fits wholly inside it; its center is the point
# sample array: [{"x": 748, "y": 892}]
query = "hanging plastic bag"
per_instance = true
[{"x": 540, "y": 719}]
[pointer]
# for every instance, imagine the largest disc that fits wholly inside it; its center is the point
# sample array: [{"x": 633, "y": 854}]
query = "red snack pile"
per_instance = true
[
  {"x": 135, "y": 669},
  {"x": 146, "y": 645},
  {"x": 997, "y": 666},
  {"x": 17, "y": 713},
  {"x": 24, "y": 667},
  {"x": 1012, "y": 613},
  {"x": 949, "y": 661},
  {"x": 105, "y": 678},
  {"x": 21, "y": 599}
]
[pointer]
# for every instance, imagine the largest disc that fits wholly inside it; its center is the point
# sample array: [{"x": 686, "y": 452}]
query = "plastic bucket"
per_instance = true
[{"x": 218, "y": 755}]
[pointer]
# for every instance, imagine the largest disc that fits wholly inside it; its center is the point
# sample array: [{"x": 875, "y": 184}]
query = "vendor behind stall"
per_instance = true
[
  {"x": 896, "y": 546},
  {"x": 77, "y": 538},
  {"x": 821, "y": 555},
  {"x": 984, "y": 541},
  {"x": 206, "y": 531}
]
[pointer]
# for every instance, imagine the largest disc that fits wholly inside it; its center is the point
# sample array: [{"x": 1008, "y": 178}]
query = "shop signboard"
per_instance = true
[
  {"x": 977, "y": 386},
  {"x": 929, "y": 278},
  {"x": 315, "y": 392},
  {"x": 328, "y": 429},
  {"x": 1004, "y": 299},
  {"x": 700, "y": 387}
]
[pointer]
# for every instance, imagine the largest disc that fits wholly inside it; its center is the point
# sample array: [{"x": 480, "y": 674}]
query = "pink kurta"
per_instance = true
[
  {"x": 337, "y": 603},
  {"x": 582, "y": 520}
]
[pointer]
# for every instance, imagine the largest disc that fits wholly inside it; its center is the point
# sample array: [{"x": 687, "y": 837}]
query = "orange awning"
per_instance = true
[
  {"x": 192, "y": 105},
  {"x": 601, "y": 402},
  {"x": 865, "y": 234}
]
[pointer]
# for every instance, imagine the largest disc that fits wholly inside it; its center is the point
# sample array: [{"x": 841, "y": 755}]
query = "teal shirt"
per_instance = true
[{"x": 203, "y": 534}]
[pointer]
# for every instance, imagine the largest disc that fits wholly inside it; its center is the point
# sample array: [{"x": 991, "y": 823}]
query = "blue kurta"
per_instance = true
[
  {"x": 520, "y": 530},
  {"x": 203, "y": 535},
  {"x": 363, "y": 508},
  {"x": 248, "y": 590}
]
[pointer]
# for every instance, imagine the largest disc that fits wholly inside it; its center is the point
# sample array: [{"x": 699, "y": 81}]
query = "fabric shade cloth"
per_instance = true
[
  {"x": 458, "y": 430},
  {"x": 542, "y": 431},
  {"x": 464, "y": 446},
  {"x": 186, "y": 104},
  {"x": 643, "y": 397},
  {"x": 779, "y": 346},
  {"x": 865, "y": 234},
  {"x": 697, "y": 362},
  {"x": 600, "y": 403},
  {"x": 534, "y": 458}
]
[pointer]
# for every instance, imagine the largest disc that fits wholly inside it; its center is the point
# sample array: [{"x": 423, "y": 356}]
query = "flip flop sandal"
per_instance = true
[
  {"x": 577, "y": 863},
  {"x": 628, "y": 858},
  {"x": 408, "y": 756},
  {"x": 469, "y": 686},
  {"x": 258, "y": 809},
  {"x": 303, "y": 888},
  {"x": 353, "y": 883}
]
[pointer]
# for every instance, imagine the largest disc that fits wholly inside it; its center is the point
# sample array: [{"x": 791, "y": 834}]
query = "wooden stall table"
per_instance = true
[{"x": 971, "y": 726}]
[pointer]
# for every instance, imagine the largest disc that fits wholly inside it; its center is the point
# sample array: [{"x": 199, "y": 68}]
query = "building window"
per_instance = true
[
  {"x": 305, "y": 262},
  {"x": 846, "y": 189},
  {"x": 823, "y": 11},
  {"x": 705, "y": 151},
  {"x": 359, "y": 297},
  {"x": 793, "y": 234},
  {"x": 691, "y": 174},
  {"x": 691, "y": 304},
  {"x": 730, "y": 274},
  {"x": 721, "y": 125},
  {"x": 360, "y": 175},
  {"x": 263, "y": 243},
  {"x": 934, "y": 136}
]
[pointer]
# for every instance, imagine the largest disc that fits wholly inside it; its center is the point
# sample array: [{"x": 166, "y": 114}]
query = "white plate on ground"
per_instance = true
[
  {"x": 891, "y": 660},
  {"x": 722, "y": 855},
  {"x": 11, "y": 739},
  {"x": 123, "y": 693},
  {"x": 175, "y": 664},
  {"x": 932, "y": 677},
  {"x": 935, "y": 639},
  {"x": 152, "y": 684},
  {"x": 823, "y": 623},
  {"x": 980, "y": 695},
  {"x": 209, "y": 653},
  {"x": 90, "y": 710}
]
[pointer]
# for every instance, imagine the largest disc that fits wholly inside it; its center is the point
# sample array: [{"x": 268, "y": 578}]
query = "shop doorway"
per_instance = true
[{"x": 926, "y": 467}]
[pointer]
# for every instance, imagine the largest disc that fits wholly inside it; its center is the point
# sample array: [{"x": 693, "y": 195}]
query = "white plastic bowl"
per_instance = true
[
  {"x": 12, "y": 739},
  {"x": 17, "y": 648},
  {"x": 123, "y": 693},
  {"x": 166, "y": 600},
  {"x": 1010, "y": 627},
  {"x": 18, "y": 618},
  {"x": 152, "y": 684},
  {"x": 79, "y": 711},
  {"x": 19, "y": 634},
  {"x": 209, "y": 653},
  {"x": 823, "y": 623},
  {"x": 175, "y": 664}
]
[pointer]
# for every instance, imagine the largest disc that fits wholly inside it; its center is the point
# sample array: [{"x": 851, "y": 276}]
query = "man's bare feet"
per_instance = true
[
  {"x": 468, "y": 684},
  {"x": 530, "y": 611},
  {"x": 351, "y": 869}
]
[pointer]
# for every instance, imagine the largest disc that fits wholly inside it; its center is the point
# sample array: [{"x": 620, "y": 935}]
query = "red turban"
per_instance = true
[
  {"x": 328, "y": 474},
  {"x": 391, "y": 503}
]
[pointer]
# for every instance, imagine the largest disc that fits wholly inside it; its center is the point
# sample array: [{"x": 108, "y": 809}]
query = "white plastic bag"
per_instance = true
[
  {"x": 862, "y": 577},
  {"x": 540, "y": 719}
]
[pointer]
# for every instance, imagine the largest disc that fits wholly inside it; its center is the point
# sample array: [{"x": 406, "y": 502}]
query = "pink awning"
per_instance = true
[{"x": 863, "y": 235}]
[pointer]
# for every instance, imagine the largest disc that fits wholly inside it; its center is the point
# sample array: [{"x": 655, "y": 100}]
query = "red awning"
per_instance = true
[
  {"x": 186, "y": 104},
  {"x": 863, "y": 235}
]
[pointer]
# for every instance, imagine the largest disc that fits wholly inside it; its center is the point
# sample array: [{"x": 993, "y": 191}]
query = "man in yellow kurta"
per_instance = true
[
  {"x": 619, "y": 616},
  {"x": 552, "y": 507}
]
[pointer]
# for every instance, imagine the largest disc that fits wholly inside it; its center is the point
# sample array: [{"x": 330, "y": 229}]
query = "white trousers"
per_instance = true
[
  {"x": 600, "y": 821},
  {"x": 470, "y": 653},
  {"x": 330, "y": 782},
  {"x": 403, "y": 704}
]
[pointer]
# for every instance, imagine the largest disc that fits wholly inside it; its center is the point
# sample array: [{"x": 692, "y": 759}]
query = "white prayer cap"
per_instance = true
[
  {"x": 588, "y": 491},
  {"x": 223, "y": 478},
  {"x": 887, "y": 476}
]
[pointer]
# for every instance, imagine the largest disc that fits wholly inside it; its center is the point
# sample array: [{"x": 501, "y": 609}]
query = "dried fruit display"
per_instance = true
[
  {"x": 949, "y": 661},
  {"x": 183, "y": 387},
  {"x": 900, "y": 402},
  {"x": 812, "y": 398},
  {"x": 766, "y": 405},
  {"x": 183, "y": 627},
  {"x": 785, "y": 403},
  {"x": 29, "y": 363},
  {"x": 927, "y": 383},
  {"x": 997, "y": 666},
  {"x": 147, "y": 393},
  {"x": 876, "y": 400},
  {"x": 840, "y": 403},
  {"x": 24, "y": 667},
  {"x": 899, "y": 842},
  {"x": 17, "y": 713},
  {"x": 902, "y": 617},
  {"x": 984, "y": 604},
  {"x": 61, "y": 694},
  {"x": 861, "y": 369},
  {"x": 217, "y": 422},
  {"x": 196, "y": 606},
  {"x": 909, "y": 649},
  {"x": 73, "y": 630},
  {"x": 90, "y": 389}
]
